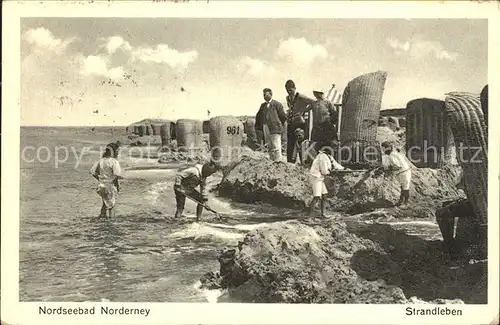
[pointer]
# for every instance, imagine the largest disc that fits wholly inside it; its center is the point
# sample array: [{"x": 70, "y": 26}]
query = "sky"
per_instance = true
[{"x": 115, "y": 71}]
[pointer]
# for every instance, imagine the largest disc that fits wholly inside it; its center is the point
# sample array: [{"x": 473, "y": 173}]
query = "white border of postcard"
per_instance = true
[{"x": 15, "y": 312}]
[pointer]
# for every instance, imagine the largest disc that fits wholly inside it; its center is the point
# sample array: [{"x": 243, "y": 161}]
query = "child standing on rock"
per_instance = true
[
  {"x": 396, "y": 162},
  {"x": 321, "y": 166}
]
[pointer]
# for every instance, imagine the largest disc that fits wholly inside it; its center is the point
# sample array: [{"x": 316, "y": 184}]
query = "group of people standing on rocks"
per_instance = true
[
  {"x": 306, "y": 144},
  {"x": 272, "y": 120}
]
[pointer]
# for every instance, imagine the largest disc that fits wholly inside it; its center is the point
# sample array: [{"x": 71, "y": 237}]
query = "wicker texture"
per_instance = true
[
  {"x": 155, "y": 127},
  {"x": 484, "y": 103},
  {"x": 393, "y": 112},
  {"x": 360, "y": 114},
  {"x": 361, "y": 107},
  {"x": 471, "y": 138},
  {"x": 189, "y": 134},
  {"x": 165, "y": 133},
  {"x": 206, "y": 127},
  {"x": 141, "y": 130},
  {"x": 226, "y": 137},
  {"x": 428, "y": 137}
]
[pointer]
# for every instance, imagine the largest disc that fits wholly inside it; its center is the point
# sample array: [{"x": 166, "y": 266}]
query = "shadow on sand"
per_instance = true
[{"x": 419, "y": 267}]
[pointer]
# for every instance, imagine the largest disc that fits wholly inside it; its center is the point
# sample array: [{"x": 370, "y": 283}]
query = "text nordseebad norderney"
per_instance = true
[{"x": 101, "y": 310}]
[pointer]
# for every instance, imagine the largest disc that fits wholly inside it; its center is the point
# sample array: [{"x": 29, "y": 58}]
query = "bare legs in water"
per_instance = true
[
  {"x": 199, "y": 211},
  {"x": 105, "y": 211}
]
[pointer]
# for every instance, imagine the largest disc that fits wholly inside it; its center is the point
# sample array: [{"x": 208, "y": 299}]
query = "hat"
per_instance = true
[
  {"x": 113, "y": 146},
  {"x": 209, "y": 168},
  {"x": 298, "y": 131},
  {"x": 318, "y": 90},
  {"x": 290, "y": 84}
]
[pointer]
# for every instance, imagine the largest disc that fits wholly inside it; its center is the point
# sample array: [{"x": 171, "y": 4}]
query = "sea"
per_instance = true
[{"x": 68, "y": 254}]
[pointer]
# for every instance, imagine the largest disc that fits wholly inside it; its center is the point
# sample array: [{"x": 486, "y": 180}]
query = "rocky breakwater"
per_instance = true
[
  {"x": 332, "y": 262},
  {"x": 171, "y": 154},
  {"x": 283, "y": 184},
  {"x": 134, "y": 140},
  {"x": 174, "y": 156},
  {"x": 342, "y": 259}
]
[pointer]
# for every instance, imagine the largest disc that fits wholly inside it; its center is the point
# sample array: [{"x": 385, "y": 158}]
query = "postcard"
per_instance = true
[{"x": 250, "y": 162}]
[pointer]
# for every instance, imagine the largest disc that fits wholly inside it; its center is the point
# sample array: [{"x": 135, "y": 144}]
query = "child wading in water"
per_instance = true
[
  {"x": 107, "y": 171},
  {"x": 396, "y": 162},
  {"x": 321, "y": 166}
]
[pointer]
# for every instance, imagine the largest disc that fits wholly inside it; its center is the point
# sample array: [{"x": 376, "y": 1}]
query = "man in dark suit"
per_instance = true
[
  {"x": 298, "y": 106},
  {"x": 259, "y": 129},
  {"x": 271, "y": 117}
]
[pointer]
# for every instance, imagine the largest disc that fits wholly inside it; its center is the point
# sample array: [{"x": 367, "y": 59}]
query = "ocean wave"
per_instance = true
[
  {"x": 242, "y": 227},
  {"x": 156, "y": 190},
  {"x": 415, "y": 222},
  {"x": 227, "y": 206},
  {"x": 199, "y": 231},
  {"x": 210, "y": 295}
]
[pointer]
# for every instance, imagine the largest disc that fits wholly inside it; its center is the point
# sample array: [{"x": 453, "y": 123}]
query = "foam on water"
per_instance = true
[
  {"x": 205, "y": 231},
  {"x": 134, "y": 161},
  {"x": 101, "y": 300},
  {"x": 243, "y": 227},
  {"x": 150, "y": 173},
  {"x": 227, "y": 206},
  {"x": 210, "y": 295},
  {"x": 156, "y": 190},
  {"x": 421, "y": 223}
]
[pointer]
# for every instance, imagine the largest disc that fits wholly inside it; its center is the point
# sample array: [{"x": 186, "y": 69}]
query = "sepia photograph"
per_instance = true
[{"x": 252, "y": 160}]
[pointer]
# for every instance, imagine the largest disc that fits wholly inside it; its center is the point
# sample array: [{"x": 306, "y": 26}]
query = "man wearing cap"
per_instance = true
[
  {"x": 297, "y": 108},
  {"x": 324, "y": 117},
  {"x": 396, "y": 162}
]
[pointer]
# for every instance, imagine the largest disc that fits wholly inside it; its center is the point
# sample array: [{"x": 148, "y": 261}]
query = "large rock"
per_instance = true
[
  {"x": 261, "y": 180},
  {"x": 290, "y": 262},
  {"x": 287, "y": 185},
  {"x": 296, "y": 262},
  {"x": 170, "y": 154},
  {"x": 175, "y": 156}
]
